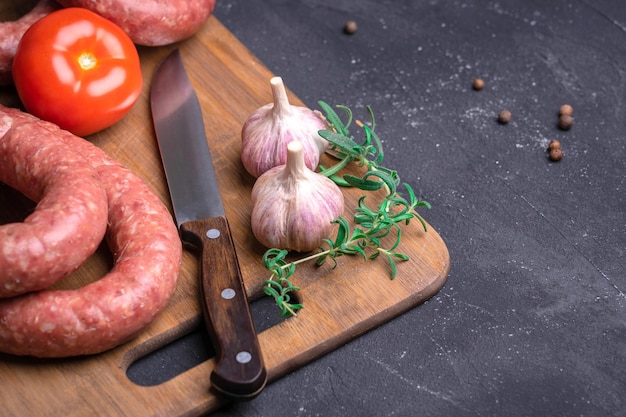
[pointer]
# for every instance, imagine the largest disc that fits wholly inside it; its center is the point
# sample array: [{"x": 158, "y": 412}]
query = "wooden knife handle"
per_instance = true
[{"x": 239, "y": 372}]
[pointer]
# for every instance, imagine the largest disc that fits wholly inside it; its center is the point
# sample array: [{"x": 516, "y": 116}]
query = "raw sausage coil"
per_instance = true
[
  {"x": 147, "y": 252},
  {"x": 70, "y": 218},
  {"x": 151, "y": 22},
  {"x": 12, "y": 32}
]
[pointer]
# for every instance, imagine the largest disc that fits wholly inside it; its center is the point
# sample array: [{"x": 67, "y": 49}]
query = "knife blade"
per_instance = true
[{"x": 200, "y": 216}]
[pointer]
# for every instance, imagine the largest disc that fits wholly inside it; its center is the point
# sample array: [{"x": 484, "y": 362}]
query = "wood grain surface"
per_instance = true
[{"x": 340, "y": 304}]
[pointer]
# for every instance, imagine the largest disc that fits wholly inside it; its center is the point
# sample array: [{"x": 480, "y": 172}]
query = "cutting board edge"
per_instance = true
[{"x": 358, "y": 329}]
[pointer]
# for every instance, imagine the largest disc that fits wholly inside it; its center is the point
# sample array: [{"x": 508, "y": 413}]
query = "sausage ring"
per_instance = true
[
  {"x": 69, "y": 221},
  {"x": 147, "y": 252},
  {"x": 151, "y": 22},
  {"x": 12, "y": 32}
]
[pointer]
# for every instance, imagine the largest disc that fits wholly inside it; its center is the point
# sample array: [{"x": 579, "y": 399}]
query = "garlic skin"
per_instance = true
[
  {"x": 266, "y": 133},
  {"x": 293, "y": 206}
]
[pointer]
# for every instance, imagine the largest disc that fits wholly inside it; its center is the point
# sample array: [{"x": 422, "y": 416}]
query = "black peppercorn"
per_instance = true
[
  {"x": 504, "y": 117},
  {"x": 350, "y": 27},
  {"x": 566, "y": 122},
  {"x": 554, "y": 150},
  {"x": 555, "y": 154},
  {"x": 554, "y": 144},
  {"x": 566, "y": 110}
]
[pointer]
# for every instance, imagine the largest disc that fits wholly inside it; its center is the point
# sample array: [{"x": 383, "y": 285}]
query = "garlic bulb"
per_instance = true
[
  {"x": 270, "y": 128},
  {"x": 293, "y": 206}
]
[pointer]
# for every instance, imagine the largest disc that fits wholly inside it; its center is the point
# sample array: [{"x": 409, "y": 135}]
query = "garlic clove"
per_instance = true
[
  {"x": 293, "y": 206},
  {"x": 266, "y": 133}
]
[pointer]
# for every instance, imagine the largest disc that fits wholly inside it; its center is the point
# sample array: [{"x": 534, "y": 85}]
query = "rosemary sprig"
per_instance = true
[
  {"x": 371, "y": 225},
  {"x": 368, "y": 153}
]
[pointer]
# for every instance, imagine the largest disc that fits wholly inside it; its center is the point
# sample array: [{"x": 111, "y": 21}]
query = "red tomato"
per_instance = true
[{"x": 77, "y": 70}]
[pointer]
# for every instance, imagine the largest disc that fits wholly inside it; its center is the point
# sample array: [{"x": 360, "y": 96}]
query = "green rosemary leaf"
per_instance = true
[
  {"x": 389, "y": 180},
  {"x": 402, "y": 217},
  {"x": 345, "y": 143},
  {"x": 367, "y": 142},
  {"x": 363, "y": 183},
  {"x": 331, "y": 172},
  {"x": 391, "y": 172},
  {"x": 321, "y": 259},
  {"x": 291, "y": 269},
  {"x": 274, "y": 257},
  {"x": 394, "y": 270},
  {"x": 402, "y": 256},
  {"x": 289, "y": 288},
  {"x": 362, "y": 203},
  {"x": 285, "y": 310},
  {"x": 334, "y": 261},
  {"x": 365, "y": 219},
  {"x": 342, "y": 231},
  {"x": 380, "y": 232},
  {"x": 348, "y": 112},
  {"x": 397, "y": 242},
  {"x": 422, "y": 221},
  {"x": 268, "y": 290},
  {"x": 333, "y": 118},
  {"x": 288, "y": 310},
  {"x": 354, "y": 250},
  {"x": 339, "y": 181},
  {"x": 370, "y": 112},
  {"x": 412, "y": 198},
  {"x": 358, "y": 234},
  {"x": 377, "y": 144},
  {"x": 363, "y": 222}
]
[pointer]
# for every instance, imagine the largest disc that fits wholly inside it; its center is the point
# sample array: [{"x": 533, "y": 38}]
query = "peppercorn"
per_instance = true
[
  {"x": 554, "y": 150},
  {"x": 566, "y": 110},
  {"x": 504, "y": 116},
  {"x": 350, "y": 27},
  {"x": 566, "y": 122},
  {"x": 478, "y": 84},
  {"x": 555, "y": 154},
  {"x": 554, "y": 144}
]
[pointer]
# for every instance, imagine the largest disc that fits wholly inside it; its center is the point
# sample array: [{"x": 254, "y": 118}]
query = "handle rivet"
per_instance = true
[
  {"x": 243, "y": 357},
  {"x": 228, "y": 293},
  {"x": 213, "y": 233}
]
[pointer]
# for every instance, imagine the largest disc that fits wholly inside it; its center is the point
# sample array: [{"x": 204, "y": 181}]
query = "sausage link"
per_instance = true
[
  {"x": 12, "y": 32},
  {"x": 151, "y": 22},
  {"x": 69, "y": 221},
  {"x": 147, "y": 254}
]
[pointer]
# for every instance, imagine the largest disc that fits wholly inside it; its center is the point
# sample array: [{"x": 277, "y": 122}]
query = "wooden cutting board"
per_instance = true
[{"x": 340, "y": 304}]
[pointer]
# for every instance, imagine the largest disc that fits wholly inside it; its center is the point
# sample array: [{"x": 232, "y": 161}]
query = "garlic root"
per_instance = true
[
  {"x": 293, "y": 206},
  {"x": 266, "y": 133}
]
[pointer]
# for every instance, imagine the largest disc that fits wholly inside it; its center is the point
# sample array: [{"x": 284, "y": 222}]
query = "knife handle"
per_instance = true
[{"x": 239, "y": 371}]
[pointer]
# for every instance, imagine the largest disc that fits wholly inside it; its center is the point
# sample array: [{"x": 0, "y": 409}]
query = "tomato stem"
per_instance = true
[{"x": 87, "y": 60}]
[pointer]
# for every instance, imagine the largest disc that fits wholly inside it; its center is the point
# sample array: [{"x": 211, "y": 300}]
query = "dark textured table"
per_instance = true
[{"x": 532, "y": 319}]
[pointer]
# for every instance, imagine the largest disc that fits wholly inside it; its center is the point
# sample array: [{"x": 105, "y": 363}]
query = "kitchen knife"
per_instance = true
[{"x": 199, "y": 212}]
